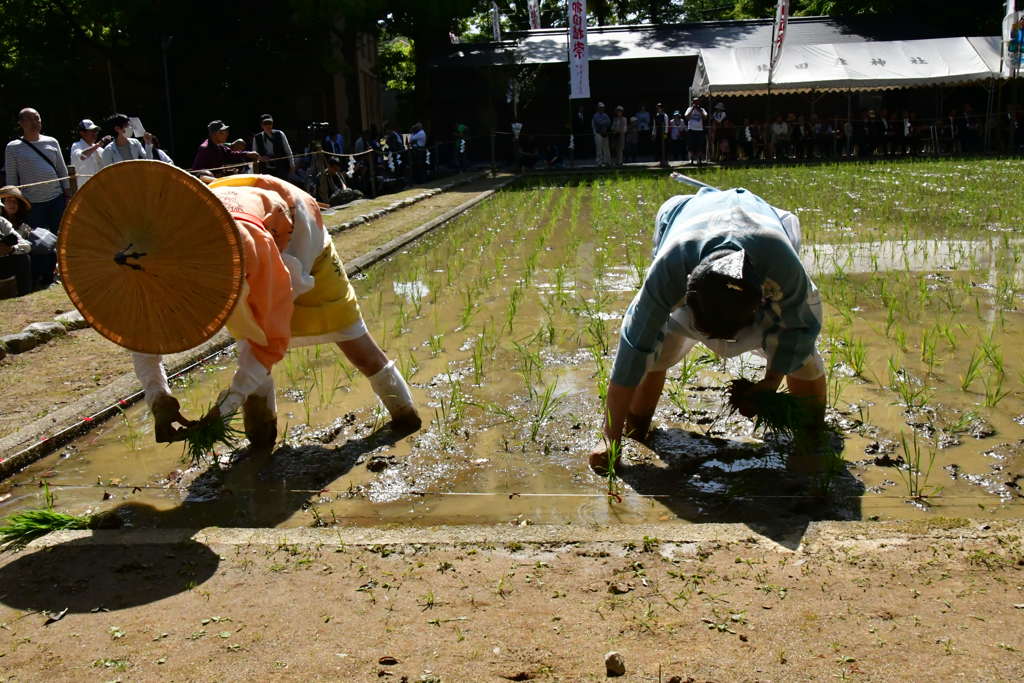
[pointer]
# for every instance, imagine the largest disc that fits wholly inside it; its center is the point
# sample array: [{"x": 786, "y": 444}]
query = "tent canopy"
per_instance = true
[{"x": 882, "y": 65}]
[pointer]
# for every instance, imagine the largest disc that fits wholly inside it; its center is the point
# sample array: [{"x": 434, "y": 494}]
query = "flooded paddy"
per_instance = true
[{"x": 505, "y": 322}]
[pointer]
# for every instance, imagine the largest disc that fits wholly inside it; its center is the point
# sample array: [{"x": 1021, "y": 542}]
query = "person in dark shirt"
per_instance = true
[{"x": 213, "y": 152}]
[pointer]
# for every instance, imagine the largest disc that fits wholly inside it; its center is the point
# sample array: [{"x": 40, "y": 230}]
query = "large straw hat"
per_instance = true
[
  {"x": 12, "y": 191},
  {"x": 150, "y": 257}
]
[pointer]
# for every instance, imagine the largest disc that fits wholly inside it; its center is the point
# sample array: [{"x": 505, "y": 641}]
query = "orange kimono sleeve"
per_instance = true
[{"x": 269, "y": 293}]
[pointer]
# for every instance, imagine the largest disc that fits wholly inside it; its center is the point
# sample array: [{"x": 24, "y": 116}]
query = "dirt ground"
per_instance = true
[
  {"x": 33, "y": 384},
  {"x": 893, "y": 602}
]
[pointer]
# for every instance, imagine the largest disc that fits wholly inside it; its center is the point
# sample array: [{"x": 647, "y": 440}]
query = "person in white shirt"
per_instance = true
[
  {"x": 696, "y": 137},
  {"x": 122, "y": 147},
  {"x": 86, "y": 154},
  {"x": 418, "y": 145},
  {"x": 419, "y": 136}
]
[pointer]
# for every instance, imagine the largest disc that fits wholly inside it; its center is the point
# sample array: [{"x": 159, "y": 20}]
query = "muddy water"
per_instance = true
[{"x": 505, "y": 322}]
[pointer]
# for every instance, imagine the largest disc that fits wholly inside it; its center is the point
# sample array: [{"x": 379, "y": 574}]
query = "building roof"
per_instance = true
[
  {"x": 868, "y": 65},
  {"x": 648, "y": 41}
]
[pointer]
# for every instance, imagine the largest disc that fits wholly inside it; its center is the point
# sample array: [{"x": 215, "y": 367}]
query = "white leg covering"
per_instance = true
[{"x": 392, "y": 390}]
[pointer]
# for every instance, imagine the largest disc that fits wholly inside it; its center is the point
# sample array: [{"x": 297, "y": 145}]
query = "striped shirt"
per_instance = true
[
  {"x": 690, "y": 228},
  {"x": 24, "y": 166}
]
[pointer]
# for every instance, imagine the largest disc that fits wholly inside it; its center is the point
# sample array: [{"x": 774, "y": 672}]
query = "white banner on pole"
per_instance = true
[
  {"x": 579, "y": 55},
  {"x": 1013, "y": 43},
  {"x": 778, "y": 33},
  {"x": 496, "y": 22},
  {"x": 534, "y": 7}
]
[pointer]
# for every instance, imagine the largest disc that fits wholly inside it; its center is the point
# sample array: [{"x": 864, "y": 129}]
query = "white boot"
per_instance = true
[{"x": 392, "y": 390}]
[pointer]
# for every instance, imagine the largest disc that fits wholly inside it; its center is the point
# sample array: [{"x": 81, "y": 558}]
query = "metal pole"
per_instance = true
[
  {"x": 373, "y": 174},
  {"x": 165, "y": 44},
  {"x": 494, "y": 163}
]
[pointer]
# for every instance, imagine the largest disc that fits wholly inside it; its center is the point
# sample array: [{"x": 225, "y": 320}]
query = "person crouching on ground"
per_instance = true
[
  {"x": 276, "y": 283},
  {"x": 726, "y": 273}
]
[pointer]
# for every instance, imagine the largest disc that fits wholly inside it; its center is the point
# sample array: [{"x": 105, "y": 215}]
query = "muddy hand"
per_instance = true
[
  {"x": 167, "y": 413},
  {"x": 598, "y": 460}
]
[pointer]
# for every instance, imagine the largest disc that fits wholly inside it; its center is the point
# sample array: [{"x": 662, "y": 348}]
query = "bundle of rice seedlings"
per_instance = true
[
  {"x": 201, "y": 438},
  {"x": 779, "y": 412},
  {"x": 24, "y": 527}
]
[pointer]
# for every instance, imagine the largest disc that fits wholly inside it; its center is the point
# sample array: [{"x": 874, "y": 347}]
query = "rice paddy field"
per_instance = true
[{"x": 505, "y": 321}]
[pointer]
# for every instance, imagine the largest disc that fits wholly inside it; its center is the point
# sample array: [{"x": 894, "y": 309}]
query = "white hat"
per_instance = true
[{"x": 87, "y": 124}]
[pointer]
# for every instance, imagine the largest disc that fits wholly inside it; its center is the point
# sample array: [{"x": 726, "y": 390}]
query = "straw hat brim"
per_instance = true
[
  {"x": 11, "y": 191},
  {"x": 150, "y": 257}
]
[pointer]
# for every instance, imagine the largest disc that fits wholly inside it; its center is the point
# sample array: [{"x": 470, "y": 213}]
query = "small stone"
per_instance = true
[
  {"x": 45, "y": 331},
  {"x": 72, "y": 320},
  {"x": 619, "y": 588},
  {"x": 19, "y": 343},
  {"x": 614, "y": 665},
  {"x": 387, "y": 660}
]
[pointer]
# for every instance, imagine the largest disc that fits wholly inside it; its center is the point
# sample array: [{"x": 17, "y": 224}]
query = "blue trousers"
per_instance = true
[{"x": 47, "y": 214}]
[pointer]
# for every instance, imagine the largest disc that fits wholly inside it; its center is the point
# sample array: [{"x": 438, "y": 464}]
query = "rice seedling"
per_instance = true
[
  {"x": 23, "y": 527},
  {"x": 544, "y": 408},
  {"x": 202, "y": 438},
  {"x": 994, "y": 392},
  {"x": 778, "y": 412},
  {"x": 436, "y": 344},
  {"x": 917, "y": 470},
  {"x": 971, "y": 371},
  {"x": 132, "y": 435},
  {"x": 913, "y": 393},
  {"x": 611, "y": 478}
]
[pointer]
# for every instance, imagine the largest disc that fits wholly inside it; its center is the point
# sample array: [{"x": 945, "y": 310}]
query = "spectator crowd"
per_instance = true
[{"x": 40, "y": 175}]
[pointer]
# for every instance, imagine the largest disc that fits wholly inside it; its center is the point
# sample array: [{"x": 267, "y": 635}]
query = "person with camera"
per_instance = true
[
  {"x": 86, "y": 153},
  {"x": 123, "y": 147},
  {"x": 214, "y": 154}
]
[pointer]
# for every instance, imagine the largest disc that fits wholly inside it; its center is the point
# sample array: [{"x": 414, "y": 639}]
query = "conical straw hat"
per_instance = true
[{"x": 150, "y": 257}]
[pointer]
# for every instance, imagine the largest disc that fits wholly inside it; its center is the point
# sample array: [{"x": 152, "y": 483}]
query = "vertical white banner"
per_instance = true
[
  {"x": 579, "y": 55},
  {"x": 496, "y": 22},
  {"x": 778, "y": 33},
  {"x": 534, "y": 7},
  {"x": 1013, "y": 42}
]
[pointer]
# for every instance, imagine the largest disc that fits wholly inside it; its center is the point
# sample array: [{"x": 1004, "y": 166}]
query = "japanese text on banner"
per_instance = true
[
  {"x": 779, "y": 33},
  {"x": 579, "y": 57},
  {"x": 534, "y": 7}
]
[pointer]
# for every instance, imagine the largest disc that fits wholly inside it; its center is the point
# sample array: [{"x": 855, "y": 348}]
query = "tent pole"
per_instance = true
[{"x": 987, "y": 145}]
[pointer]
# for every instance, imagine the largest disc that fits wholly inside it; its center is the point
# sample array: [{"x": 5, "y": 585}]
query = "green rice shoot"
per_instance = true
[
  {"x": 24, "y": 527},
  {"x": 202, "y": 438}
]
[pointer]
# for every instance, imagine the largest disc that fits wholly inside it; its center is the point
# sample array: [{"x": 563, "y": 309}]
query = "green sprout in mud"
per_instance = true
[
  {"x": 917, "y": 470},
  {"x": 436, "y": 344},
  {"x": 614, "y": 489},
  {"x": 544, "y": 408}
]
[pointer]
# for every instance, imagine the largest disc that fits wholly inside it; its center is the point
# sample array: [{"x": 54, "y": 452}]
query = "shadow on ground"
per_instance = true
[
  {"x": 707, "y": 479},
  {"x": 260, "y": 489}
]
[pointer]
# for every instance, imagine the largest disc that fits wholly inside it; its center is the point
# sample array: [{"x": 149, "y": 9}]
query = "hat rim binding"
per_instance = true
[
  {"x": 109, "y": 328},
  {"x": 13, "y": 191}
]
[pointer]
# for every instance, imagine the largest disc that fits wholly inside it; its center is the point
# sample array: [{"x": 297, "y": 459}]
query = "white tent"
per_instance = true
[{"x": 847, "y": 66}]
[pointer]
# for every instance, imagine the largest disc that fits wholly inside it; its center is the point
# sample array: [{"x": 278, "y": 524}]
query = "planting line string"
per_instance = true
[
  {"x": 505, "y": 494},
  {"x": 108, "y": 410}
]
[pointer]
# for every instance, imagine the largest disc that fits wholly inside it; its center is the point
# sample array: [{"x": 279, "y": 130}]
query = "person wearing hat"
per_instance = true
[
  {"x": 42, "y": 243},
  {"x": 725, "y": 273},
  {"x": 86, "y": 153},
  {"x": 214, "y": 154},
  {"x": 273, "y": 144},
  {"x": 247, "y": 251}
]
